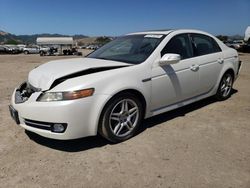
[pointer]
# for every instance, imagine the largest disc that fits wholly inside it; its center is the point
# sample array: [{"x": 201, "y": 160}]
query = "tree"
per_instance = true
[
  {"x": 11, "y": 41},
  {"x": 223, "y": 38},
  {"x": 102, "y": 40},
  {"x": 80, "y": 43}
]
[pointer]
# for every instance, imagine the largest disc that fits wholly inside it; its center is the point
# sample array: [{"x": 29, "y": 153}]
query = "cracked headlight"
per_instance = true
[{"x": 61, "y": 96}]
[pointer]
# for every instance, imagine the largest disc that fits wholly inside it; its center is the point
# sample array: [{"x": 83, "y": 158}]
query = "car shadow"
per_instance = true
[
  {"x": 87, "y": 143},
  {"x": 75, "y": 145},
  {"x": 158, "y": 119}
]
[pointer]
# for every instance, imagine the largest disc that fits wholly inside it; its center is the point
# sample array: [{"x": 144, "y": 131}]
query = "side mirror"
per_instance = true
[{"x": 169, "y": 59}]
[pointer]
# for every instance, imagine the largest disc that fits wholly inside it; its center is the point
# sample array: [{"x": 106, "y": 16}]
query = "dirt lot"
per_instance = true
[{"x": 206, "y": 144}]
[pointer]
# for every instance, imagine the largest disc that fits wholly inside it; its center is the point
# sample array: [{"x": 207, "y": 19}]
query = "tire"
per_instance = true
[
  {"x": 42, "y": 53},
  {"x": 225, "y": 88},
  {"x": 121, "y": 117},
  {"x": 26, "y": 52}
]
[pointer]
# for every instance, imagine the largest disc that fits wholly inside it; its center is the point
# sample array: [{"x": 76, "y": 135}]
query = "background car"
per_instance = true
[
  {"x": 3, "y": 50},
  {"x": 71, "y": 51},
  {"x": 31, "y": 50},
  {"x": 93, "y": 47},
  {"x": 36, "y": 50},
  {"x": 236, "y": 44},
  {"x": 44, "y": 50},
  {"x": 83, "y": 46},
  {"x": 9, "y": 49}
]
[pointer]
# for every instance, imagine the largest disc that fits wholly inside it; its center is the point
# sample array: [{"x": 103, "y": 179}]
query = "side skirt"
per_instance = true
[{"x": 180, "y": 104}]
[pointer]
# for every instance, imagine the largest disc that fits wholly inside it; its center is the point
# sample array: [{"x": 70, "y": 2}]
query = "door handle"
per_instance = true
[
  {"x": 220, "y": 60},
  {"x": 194, "y": 67}
]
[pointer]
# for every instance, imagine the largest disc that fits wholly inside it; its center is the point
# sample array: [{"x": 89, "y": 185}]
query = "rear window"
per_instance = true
[{"x": 204, "y": 45}]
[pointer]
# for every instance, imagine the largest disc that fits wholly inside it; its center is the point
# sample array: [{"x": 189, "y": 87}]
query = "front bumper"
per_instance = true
[{"x": 80, "y": 116}]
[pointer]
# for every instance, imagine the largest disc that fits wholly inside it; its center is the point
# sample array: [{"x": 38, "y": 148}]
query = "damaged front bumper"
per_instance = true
[{"x": 59, "y": 120}]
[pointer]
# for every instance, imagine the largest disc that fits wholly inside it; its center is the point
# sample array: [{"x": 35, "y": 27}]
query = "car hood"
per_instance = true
[{"x": 45, "y": 75}]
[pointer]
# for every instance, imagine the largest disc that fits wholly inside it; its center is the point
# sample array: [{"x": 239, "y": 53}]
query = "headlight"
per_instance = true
[{"x": 61, "y": 96}]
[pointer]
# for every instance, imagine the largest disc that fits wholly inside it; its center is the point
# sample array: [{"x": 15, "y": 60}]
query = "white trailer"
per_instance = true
[
  {"x": 247, "y": 35},
  {"x": 61, "y": 42}
]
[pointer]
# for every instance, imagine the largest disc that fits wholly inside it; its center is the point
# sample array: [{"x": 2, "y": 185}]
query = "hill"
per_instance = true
[
  {"x": 88, "y": 40},
  {"x": 3, "y": 33},
  {"x": 6, "y": 37}
]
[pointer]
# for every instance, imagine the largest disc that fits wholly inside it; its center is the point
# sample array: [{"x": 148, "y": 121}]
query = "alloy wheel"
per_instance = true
[
  {"x": 226, "y": 85},
  {"x": 124, "y": 117}
]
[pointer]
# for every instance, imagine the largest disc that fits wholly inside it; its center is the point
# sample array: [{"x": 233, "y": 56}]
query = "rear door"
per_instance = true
[{"x": 210, "y": 60}]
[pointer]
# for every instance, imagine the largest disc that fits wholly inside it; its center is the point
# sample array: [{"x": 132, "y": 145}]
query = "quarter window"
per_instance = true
[
  {"x": 204, "y": 45},
  {"x": 179, "y": 44}
]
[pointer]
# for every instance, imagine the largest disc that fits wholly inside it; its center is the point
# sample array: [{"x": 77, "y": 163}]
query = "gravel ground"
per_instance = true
[{"x": 205, "y": 144}]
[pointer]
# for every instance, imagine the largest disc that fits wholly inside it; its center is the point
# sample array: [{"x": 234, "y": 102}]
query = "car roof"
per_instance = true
[
  {"x": 160, "y": 31},
  {"x": 167, "y": 31}
]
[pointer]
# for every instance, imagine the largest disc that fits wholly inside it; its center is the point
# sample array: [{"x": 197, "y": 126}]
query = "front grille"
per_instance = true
[{"x": 24, "y": 91}]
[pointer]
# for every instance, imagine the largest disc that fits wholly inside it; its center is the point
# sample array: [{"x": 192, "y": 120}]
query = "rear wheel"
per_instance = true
[
  {"x": 225, "y": 88},
  {"x": 121, "y": 118},
  {"x": 26, "y": 52}
]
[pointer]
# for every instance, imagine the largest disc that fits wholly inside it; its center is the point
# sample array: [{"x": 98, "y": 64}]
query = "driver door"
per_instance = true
[{"x": 176, "y": 82}]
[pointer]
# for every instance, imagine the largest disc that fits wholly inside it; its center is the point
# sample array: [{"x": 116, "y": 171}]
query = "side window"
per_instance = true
[
  {"x": 179, "y": 44},
  {"x": 204, "y": 45}
]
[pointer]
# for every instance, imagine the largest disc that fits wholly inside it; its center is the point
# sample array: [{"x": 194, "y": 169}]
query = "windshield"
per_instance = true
[{"x": 132, "y": 49}]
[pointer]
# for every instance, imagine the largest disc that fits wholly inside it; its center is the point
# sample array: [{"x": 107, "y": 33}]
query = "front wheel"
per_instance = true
[
  {"x": 42, "y": 53},
  {"x": 225, "y": 88},
  {"x": 121, "y": 118}
]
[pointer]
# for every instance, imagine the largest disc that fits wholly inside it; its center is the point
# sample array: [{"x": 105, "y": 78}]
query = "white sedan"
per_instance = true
[{"x": 113, "y": 89}]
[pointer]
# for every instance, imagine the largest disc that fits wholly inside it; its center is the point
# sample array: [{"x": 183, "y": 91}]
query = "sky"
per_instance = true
[{"x": 118, "y": 17}]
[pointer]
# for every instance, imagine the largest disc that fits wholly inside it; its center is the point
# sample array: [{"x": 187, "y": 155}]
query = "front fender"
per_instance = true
[{"x": 109, "y": 83}]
